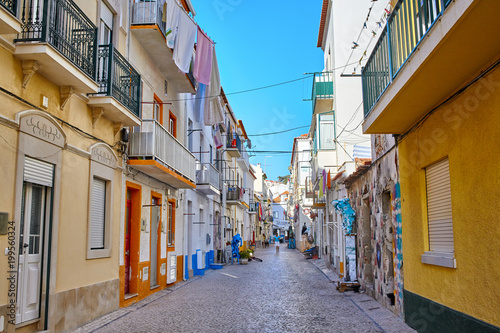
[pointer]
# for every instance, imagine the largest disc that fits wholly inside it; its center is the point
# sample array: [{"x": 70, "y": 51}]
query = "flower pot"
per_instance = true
[{"x": 243, "y": 261}]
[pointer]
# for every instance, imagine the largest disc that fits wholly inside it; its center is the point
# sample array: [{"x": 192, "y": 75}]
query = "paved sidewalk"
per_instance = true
[{"x": 384, "y": 319}]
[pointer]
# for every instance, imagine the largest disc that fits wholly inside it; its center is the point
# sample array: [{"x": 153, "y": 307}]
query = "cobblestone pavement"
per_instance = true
[{"x": 284, "y": 293}]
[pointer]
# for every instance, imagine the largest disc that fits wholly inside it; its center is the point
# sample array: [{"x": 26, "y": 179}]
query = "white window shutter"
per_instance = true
[
  {"x": 97, "y": 226},
  {"x": 107, "y": 15},
  {"x": 38, "y": 172},
  {"x": 439, "y": 207}
]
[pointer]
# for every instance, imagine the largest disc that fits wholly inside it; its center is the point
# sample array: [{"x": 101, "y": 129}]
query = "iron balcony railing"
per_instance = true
[
  {"x": 117, "y": 78},
  {"x": 322, "y": 87},
  {"x": 234, "y": 141},
  {"x": 253, "y": 207},
  {"x": 62, "y": 24},
  {"x": 207, "y": 174},
  {"x": 234, "y": 193},
  {"x": 154, "y": 141},
  {"x": 406, "y": 27},
  {"x": 10, "y": 5},
  {"x": 149, "y": 12}
]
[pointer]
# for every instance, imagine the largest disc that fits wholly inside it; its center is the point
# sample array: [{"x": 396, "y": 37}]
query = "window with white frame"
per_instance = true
[
  {"x": 102, "y": 165},
  {"x": 439, "y": 215},
  {"x": 276, "y": 215},
  {"x": 326, "y": 131}
]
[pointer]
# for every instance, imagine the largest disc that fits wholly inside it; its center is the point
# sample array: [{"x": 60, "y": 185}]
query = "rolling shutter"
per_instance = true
[
  {"x": 107, "y": 16},
  {"x": 38, "y": 172},
  {"x": 439, "y": 207},
  {"x": 98, "y": 214}
]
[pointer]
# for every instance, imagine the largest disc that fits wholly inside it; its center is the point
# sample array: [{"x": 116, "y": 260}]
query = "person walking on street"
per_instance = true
[{"x": 277, "y": 241}]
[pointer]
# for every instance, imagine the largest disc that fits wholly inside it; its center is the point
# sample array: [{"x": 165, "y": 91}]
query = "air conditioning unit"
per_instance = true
[{"x": 172, "y": 268}]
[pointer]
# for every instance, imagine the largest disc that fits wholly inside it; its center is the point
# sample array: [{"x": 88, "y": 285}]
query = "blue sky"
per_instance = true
[{"x": 261, "y": 43}]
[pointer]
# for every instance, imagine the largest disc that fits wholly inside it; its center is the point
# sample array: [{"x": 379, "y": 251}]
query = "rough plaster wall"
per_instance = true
[{"x": 384, "y": 251}]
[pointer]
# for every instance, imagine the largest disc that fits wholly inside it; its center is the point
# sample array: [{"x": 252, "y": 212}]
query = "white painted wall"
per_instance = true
[{"x": 343, "y": 26}]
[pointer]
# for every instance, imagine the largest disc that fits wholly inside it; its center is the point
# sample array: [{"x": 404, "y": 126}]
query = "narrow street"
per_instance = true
[{"x": 284, "y": 293}]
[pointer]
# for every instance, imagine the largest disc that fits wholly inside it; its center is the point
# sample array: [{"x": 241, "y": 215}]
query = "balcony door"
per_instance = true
[
  {"x": 158, "y": 110},
  {"x": 105, "y": 38}
]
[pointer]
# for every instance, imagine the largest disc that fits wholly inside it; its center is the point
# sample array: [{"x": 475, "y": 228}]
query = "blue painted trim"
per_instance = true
[
  {"x": 186, "y": 268},
  {"x": 194, "y": 262}
]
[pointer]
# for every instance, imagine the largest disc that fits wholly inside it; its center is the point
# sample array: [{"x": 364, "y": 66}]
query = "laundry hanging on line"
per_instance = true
[
  {"x": 184, "y": 42},
  {"x": 171, "y": 12},
  {"x": 202, "y": 68}
]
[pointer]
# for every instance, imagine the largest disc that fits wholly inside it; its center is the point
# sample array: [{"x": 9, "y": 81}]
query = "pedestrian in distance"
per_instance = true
[{"x": 277, "y": 241}]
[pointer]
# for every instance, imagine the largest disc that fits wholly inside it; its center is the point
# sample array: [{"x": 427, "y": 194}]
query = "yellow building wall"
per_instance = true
[
  {"x": 72, "y": 269},
  {"x": 465, "y": 130}
]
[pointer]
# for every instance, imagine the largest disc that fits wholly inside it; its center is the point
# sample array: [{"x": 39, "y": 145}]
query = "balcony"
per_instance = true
[
  {"x": 119, "y": 88},
  {"x": 235, "y": 196},
  {"x": 155, "y": 152},
  {"x": 309, "y": 188},
  {"x": 322, "y": 92},
  {"x": 233, "y": 145},
  {"x": 427, "y": 51},
  {"x": 207, "y": 179},
  {"x": 318, "y": 203},
  {"x": 253, "y": 207},
  {"x": 9, "y": 24},
  {"x": 61, "y": 41},
  {"x": 244, "y": 159},
  {"x": 149, "y": 30}
]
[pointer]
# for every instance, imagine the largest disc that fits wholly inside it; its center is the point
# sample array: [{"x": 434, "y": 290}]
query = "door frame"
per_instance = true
[
  {"x": 159, "y": 200},
  {"x": 47, "y": 146},
  {"x": 135, "y": 227}
]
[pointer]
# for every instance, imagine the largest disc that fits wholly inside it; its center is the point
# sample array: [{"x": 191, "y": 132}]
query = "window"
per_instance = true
[
  {"x": 172, "y": 124},
  {"x": 211, "y": 160},
  {"x": 102, "y": 171},
  {"x": 106, "y": 28},
  {"x": 326, "y": 131},
  {"x": 98, "y": 218},
  {"x": 171, "y": 225},
  {"x": 201, "y": 223},
  {"x": 158, "y": 109},
  {"x": 439, "y": 217},
  {"x": 276, "y": 215},
  {"x": 202, "y": 138},
  {"x": 190, "y": 135}
]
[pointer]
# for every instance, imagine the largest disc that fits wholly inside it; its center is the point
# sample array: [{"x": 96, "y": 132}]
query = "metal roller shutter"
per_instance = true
[
  {"x": 98, "y": 214},
  {"x": 38, "y": 172},
  {"x": 107, "y": 15},
  {"x": 439, "y": 207}
]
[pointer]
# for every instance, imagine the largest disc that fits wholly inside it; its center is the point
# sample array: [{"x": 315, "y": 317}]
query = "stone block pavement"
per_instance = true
[{"x": 283, "y": 293}]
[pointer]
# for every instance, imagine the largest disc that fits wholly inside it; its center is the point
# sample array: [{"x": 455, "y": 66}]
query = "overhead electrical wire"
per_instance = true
[
  {"x": 272, "y": 133},
  {"x": 258, "y": 88}
]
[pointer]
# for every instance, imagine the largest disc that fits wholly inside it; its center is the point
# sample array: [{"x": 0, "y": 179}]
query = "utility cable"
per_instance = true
[{"x": 272, "y": 133}]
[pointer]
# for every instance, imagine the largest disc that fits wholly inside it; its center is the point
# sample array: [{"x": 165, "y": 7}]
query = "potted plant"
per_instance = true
[{"x": 244, "y": 256}]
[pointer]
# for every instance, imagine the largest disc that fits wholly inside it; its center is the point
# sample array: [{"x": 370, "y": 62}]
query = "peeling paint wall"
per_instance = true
[{"x": 375, "y": 196}]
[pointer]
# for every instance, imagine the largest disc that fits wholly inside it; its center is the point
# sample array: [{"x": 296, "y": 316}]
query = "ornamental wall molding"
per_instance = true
[
  {"x": 102, "y": 153},
  {"x": 42, "y": 126}
]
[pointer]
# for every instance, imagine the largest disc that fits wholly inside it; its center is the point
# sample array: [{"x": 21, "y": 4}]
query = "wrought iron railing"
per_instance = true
[
  {"x": 117, "y": 78},
  {"x": 406, "y": 27},
  {"x": 63, "y": 25},
  {"x": 234, "y": 142},
  {"x": 234, "y": 193},
  {"x": 10, "y": 5},
  {"x": 149, "y": 12},
  {"x": 207, "y": 174},
  {"x": 253, "y": 207},
  {"x": 155, "y": 142}
]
